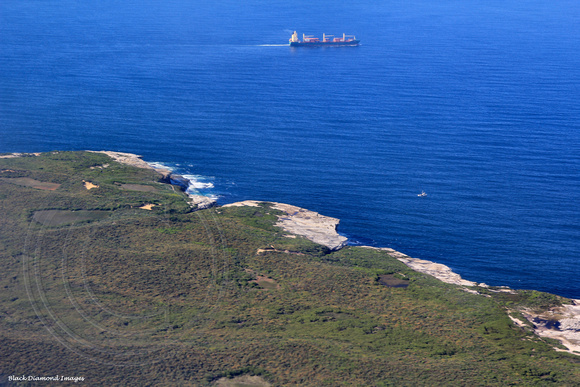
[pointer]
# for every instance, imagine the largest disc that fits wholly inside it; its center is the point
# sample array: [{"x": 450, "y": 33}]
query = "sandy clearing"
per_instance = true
[{"x": 89, "y": 185}]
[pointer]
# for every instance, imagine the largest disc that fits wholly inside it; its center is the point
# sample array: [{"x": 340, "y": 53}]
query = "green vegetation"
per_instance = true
[{"x": 175, "y": 297}]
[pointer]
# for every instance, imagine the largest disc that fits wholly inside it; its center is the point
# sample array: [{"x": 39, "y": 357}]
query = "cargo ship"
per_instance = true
[{"x": 327, "y": 40}]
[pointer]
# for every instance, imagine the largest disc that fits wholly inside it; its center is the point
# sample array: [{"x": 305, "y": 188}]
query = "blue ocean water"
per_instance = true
[{"x": 474, "y": 102}]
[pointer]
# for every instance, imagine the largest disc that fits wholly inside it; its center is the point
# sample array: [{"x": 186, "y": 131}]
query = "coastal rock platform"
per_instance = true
[
  {"x": 309, "y": 224},
  {"x": 560, "y": 323},
  {"x": 126, "y": 158},
  {"x": 437, "y": 270}
]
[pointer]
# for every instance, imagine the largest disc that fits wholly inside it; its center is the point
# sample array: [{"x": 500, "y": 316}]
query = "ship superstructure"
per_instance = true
[{"x": 327, "y": 40}]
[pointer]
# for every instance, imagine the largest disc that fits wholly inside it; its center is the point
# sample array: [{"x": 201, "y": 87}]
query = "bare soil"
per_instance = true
[
  {"x": 392, "y": 282},
  {"x": 28, "y": 182},
  {"x": 60, "y": 217},
  {"x": 139, "y": 187}
]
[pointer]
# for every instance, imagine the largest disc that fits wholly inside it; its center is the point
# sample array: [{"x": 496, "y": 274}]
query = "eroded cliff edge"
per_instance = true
[
  {"x": 561, "y": 322},
  {"x": 197, "y": 200},
  {"x": 309, "y": 224}
]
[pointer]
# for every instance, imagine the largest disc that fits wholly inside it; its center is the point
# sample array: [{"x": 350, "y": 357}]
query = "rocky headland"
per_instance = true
[
  {"x": 197, "y": 200},
  {"x": 561, "y": 323},
  {"x": 309, "y": 224}
]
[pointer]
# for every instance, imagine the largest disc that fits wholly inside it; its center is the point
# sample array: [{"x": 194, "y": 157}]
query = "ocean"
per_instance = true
[{"x": 474, "y": 102}]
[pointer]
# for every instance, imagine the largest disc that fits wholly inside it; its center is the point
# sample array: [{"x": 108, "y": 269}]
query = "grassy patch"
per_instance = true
[
  {"x": 61, "y": 217},
  {"x": 32, "y": 183},
  {"x": 261, "y": 217}
]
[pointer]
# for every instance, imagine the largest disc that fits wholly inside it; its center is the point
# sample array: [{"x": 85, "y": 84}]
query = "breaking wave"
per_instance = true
[
  {"x": 192, "y": 183},
  {"x": 198, "y": 183}
]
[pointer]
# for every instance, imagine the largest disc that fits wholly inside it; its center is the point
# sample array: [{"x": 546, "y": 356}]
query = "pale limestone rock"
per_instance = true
[
  {"x": 568, "y": 333},
  {"x": 437, "y": 270},
  {"x": 517, "y": 321},
  {"x": 13, "y": 155},
  {"x": 309, "y": 224},
  {"x": 126, "y": 158},
  {"x": 202, "y": 202}
]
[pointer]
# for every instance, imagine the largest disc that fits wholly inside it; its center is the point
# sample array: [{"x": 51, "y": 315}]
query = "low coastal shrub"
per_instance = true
[{"x": 174, "y": 291}]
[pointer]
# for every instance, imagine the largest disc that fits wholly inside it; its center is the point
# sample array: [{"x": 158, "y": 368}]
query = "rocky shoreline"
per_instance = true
[
  {"x": 322, "y": 230},
  {"x": 560, "y": 323},
  {"x": 299, "y": 221},
  {"x": 197, "y": 201},
  {"x": 309, "y": 224}
]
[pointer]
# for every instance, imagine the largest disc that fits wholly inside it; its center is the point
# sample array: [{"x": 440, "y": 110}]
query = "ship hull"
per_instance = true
[{"x": 324, "y": 44}]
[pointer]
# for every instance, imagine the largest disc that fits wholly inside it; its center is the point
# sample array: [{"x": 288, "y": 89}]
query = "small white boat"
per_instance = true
[{"x": 422, "y": 194}]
